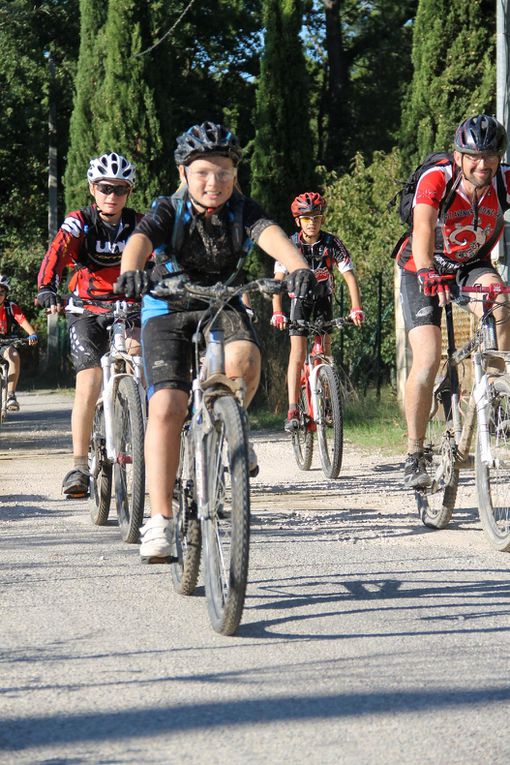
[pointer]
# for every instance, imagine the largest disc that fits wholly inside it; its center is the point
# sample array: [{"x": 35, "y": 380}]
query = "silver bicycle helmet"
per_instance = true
[
  {"x": 111, "y": 167},
  {"x": 207, "y": 138},
  {"x": 479, "y": 135},
  {"x": 4, "y": 281}
]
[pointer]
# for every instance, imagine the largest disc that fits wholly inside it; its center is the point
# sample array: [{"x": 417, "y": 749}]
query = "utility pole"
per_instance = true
[{"x": 503, "y": 111}]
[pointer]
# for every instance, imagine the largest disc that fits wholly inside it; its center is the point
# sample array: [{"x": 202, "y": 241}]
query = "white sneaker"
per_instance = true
[{"x": 157, "y": 537}]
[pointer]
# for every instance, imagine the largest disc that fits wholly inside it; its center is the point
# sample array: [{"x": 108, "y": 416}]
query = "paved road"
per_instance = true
[{"x": 366, "y": 638}]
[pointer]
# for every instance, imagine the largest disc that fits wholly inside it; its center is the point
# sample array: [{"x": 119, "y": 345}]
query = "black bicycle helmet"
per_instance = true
[
  {"x": 207, "y": 138},
  {"x": 480, "y": 134}
]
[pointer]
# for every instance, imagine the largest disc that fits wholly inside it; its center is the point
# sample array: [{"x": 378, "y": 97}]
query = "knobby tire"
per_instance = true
[
  {"x": 100, "y": 471},
  {"x": 330, "y": 431},
  {"x": 187, "y": 531},
  {"x": 129, "y": 466},
  {"x": 302, "y": 438},
  {"x": 226, "y": 531}
]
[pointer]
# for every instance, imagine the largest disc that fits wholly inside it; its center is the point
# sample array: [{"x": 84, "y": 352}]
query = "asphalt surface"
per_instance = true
[{"x": 366, "y": 638}]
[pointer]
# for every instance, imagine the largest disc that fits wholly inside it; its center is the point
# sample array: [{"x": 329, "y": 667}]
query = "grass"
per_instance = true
[{"x": 368, "y": 422}]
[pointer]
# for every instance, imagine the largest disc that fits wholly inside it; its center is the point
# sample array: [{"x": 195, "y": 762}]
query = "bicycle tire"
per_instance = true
[
  {"x": 187, "y": 530},
  {"x": 302, "y": 438},
  {"x": 129, "y": 466},
  {"x": 330, "y": 428},
  {"x": 100, "y": 471},
  {"x": 226, "y": 530},
  {"x": 436, "y": 504},
  {"x": 493, "y": 483}
]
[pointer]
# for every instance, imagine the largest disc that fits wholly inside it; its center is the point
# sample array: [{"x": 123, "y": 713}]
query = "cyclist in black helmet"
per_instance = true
[
  {"x": 441, "y": 248},
  {"x": 203, "y": 231}
]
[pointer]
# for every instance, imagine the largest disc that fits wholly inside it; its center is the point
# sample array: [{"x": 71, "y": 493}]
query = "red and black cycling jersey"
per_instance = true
[
  {"x": 92, "y": 249},
  {"x": 464, "y": 229},
  {"x": 9, "y": 313},
  {"x": 322, "y": 256}
]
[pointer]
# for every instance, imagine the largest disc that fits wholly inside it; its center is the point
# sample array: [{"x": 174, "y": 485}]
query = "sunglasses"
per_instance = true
[
  {"x": 309, "y": 218},
  {"x": 107, "y": 189}
]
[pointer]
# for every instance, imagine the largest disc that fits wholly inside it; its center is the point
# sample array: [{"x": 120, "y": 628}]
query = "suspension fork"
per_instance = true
[{"x": 453, "y": 376}]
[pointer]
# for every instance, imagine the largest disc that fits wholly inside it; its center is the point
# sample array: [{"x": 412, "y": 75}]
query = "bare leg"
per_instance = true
[
  {"x": 167, "y": 412},
  {"x": 88, "y": 387},
  {"x": 426, "y": 346},
  {"x": 12, "y": 356},
  {"x": 296, "y": 361},
  {"x": 242, "y": 359}
]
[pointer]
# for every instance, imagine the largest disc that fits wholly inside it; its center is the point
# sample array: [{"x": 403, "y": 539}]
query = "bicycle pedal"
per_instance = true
[
  {"x": 83, "y": 495},
  {"x": 156, "y": 560}
]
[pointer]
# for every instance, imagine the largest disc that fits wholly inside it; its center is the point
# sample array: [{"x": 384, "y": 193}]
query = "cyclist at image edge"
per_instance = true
[
  {"x": 438, "y": 252},
  {"x": 207, "y": 156},
  {"x": 322, "y": 252},
  {"x": 90, "y": 242},
  {"x": 10, "y": 315}
]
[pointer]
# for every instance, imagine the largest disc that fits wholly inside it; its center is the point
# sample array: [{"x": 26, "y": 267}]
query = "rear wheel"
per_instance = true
[
  {"x": 330, "y": 425},
  {"x": 188, "y": 534},
  {"x": 436, "y": 503},
  {"x": 226, "y": 531},
  {"x": 302, "y": 438},
  {"x": 100, "y": 471},
  {"x": 129, "y": 467},
  {"x": 493, "y": 482}
]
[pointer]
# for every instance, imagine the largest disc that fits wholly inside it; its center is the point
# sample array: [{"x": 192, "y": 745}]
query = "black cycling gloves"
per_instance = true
[
  {"x": 301, "y": 284},
  {"x": 47, "y": 297},
  {"x": 132, "y": 284}
]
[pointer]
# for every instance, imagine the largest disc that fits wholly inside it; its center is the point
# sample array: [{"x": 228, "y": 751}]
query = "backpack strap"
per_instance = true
[{"x": 12, "y": 324}]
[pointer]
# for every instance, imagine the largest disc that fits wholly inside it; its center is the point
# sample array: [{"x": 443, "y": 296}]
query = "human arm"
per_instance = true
[
  {"x": 356, "y": 313},
  {"x": 133, "y": 280},
  {"x": 423, "y": 244},
  {"x": 32, "y": 334}
]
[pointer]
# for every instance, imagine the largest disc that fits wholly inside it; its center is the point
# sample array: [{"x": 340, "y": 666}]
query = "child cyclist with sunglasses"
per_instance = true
[
  {"x": 322, "y": 251},
  {"x": 90, "y": 243}
]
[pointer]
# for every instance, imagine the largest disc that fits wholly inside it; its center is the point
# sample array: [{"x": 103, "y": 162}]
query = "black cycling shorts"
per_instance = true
[
  {"x": 421, "y": 310},
  {"x": 167, "y": 344},
  {"x": 321, "y": 308},
  {"x": 88, "y": 338}
]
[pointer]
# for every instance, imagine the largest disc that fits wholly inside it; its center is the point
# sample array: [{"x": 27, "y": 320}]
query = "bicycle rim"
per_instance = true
[
  {"x": 226, "y": 531},
  {"x": 436, "y": 504},
  {"x": 100, "y": 471},
  {"x": 129, "y": 467},
  {"x": 188, "y": 534},
  {"x": 302, "y": 438},
  {"x": 330, "y": 426},
  {"x": 493, "y": 483}
]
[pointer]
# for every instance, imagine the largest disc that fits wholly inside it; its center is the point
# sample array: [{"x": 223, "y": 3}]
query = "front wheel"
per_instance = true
[
  {"x": 302, "y": 438},
  {"x": 129, "y": 466},
  {"x": 187, "y": 531},
  {"x": 226, "y": 530},
  {"x": 493, "y": 481},
  {"x": 330, "y": 424},
  {"x": 100, "y": 470},
  {"x": 436, "y": 503}
]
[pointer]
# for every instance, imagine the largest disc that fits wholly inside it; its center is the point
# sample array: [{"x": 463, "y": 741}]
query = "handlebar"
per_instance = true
[
  {"x": 13, "y": 340},
  {"x": 320, "y": 326},
  {"x": 120, "y": 309},
  {"x": 176, "y": 287}
]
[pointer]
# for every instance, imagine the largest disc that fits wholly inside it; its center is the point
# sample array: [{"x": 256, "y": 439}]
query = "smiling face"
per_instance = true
[
  {"x": 310, "y": 225},
  {"x": 478, "y": 169},
  {"x": 110, "y": 203},
  {"x": 210, "y": 181}
]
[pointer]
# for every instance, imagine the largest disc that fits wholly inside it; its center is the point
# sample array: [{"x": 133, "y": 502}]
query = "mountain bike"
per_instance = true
[
  {"x": 452, "y": 423},
  {"x": 116, "y": 449},
  {"x": 320, "y": 404},
  {"x": 212, "y": 489},
  {"x": 5, "y": 342}
]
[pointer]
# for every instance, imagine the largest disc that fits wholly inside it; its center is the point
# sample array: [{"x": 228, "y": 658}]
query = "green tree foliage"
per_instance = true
[
  {"x": 358, "y": 214},
  {"x": 27, "y": 30},
  {"x": 282, "y": 162},
  {"x": 454, "y": 73},
  {"x": 85, "y": 120}
]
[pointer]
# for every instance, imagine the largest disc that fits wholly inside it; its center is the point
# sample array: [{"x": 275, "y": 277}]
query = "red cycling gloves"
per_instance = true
[{"x": 431, "y": 283}]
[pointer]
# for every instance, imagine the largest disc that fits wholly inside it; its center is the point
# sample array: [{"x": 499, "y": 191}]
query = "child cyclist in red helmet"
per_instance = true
[{"x": 322, "y": 251}]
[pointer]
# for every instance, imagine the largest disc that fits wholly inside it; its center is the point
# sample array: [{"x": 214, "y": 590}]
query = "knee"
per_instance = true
[{"x": 168, "y": 410}]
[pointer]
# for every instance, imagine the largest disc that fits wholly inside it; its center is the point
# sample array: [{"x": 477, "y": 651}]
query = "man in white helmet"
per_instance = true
[{"x": 90, "y": 243}]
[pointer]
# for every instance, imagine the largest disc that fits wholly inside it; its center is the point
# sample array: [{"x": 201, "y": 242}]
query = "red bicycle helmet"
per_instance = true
[{"x": 307, "y": 203}]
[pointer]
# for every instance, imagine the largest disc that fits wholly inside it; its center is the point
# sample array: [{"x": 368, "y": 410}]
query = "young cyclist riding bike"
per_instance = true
[
  {"x": 11, "y": 316},
  {"x": 322, "y": 251},
  {"x": 444, "y": 247},
  {"x": 200, "y": 233},
  {"x": 90, "y": 243}
]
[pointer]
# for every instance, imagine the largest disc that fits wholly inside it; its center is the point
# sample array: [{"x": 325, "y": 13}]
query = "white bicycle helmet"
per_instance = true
[
  {"x": 111, "y": 167},
  {"x": 4, "y": 281}
]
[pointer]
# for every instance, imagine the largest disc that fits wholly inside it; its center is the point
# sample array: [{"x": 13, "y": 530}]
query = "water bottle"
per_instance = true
[{"x": 215, "y": 352}]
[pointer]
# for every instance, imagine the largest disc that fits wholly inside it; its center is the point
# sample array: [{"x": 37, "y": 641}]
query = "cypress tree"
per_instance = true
[
  {"x": 84, "y": 127},
  {"x": 282, "y": 164},
  {"x": 130, "y": 120},
  {"x": 454, "y": 72}
]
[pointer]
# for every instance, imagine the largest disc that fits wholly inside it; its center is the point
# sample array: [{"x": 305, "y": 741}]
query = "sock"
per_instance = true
[
  {"x": 81, "y": 463},
  {"x": 415, "y": 445}
]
